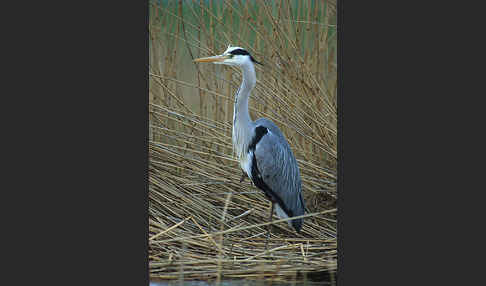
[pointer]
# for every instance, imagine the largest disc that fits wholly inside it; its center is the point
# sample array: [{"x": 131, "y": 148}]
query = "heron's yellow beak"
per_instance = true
[{"x": 219, "y": 58}]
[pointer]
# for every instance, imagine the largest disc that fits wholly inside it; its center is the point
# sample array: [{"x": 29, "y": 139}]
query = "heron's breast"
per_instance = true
[{"x": 245, "y": 163}]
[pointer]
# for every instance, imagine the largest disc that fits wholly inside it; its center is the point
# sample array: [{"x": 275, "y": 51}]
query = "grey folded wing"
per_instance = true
[{"x": 279, "y": 170}]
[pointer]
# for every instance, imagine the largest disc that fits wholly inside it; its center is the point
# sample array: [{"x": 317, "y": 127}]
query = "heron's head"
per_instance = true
[{"x": 233, "y": 56}]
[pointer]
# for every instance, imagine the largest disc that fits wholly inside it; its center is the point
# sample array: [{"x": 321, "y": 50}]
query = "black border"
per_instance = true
[
  {"x": 399, "y": 170},
  {"x": 79, "y": 215}
]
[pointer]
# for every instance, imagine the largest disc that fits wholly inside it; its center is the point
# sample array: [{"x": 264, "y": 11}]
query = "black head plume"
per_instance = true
[{"x": 245, "y": 53}]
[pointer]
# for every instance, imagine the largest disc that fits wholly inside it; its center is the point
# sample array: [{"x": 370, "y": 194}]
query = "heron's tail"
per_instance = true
[{"x": 296, "y": 223}]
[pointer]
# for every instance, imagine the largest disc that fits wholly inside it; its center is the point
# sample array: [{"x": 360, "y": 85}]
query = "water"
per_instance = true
[{"x": 235, "y": 283}]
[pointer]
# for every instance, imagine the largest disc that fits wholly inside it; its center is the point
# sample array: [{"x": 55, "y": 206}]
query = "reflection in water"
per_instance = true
[{"x": 233, "y": 283}]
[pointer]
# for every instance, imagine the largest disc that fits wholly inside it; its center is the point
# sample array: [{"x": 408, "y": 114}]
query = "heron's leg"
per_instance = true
[
  {"x": 243, "y": 176},
  {"x": 269, "y": 227}
]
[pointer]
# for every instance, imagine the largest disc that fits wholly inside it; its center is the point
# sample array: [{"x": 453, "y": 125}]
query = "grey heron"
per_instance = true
[{"x": 264, "y": 153}]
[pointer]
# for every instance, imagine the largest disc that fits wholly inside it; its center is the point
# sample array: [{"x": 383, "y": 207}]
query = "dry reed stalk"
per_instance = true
[{"x": 195, "y": 231}]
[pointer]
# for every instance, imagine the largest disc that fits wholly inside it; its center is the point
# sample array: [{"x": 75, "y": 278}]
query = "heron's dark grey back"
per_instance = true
[{"x": 279, "y": 169}]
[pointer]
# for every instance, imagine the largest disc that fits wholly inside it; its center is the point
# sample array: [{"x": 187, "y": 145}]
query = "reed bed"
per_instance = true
[{"x": 203, "y": 222}]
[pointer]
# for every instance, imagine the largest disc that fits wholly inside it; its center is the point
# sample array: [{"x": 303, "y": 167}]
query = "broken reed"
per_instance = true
[{"x": 192, "y": 168}]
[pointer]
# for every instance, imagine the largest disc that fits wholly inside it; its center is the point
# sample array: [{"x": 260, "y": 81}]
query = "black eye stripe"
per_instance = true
[
  {"x": 239, "y": 52},
  {"x": 245, "y": 53}
]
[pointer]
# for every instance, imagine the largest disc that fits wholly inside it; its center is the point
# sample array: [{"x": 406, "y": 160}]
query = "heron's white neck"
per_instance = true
[
  {"x": 241, "y": 117},
  {"x": 241, "y": 101}
]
